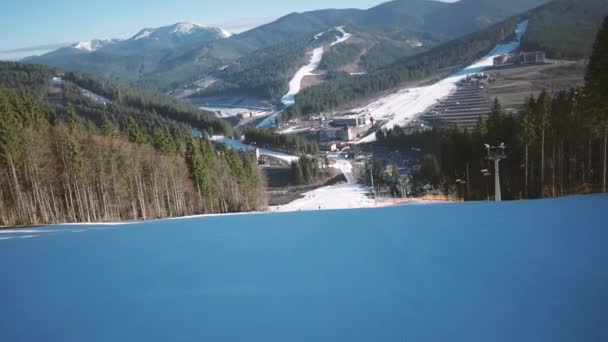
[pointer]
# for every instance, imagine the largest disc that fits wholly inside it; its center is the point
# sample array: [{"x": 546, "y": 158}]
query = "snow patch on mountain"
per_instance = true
[
  {"x": 225, "y": 33},
  {"x": 145, "y": 33},
  {"x": 345, "y": 36},
  {"x": 182, "y": 29},
  {"x": 295, "y": 85},
  {"x": 95, "y": 44}
]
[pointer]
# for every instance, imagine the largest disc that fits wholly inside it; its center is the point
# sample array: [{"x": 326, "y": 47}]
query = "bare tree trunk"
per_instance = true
[
  {"x": 17, "y": 186},
  {"x": 526, "y": 176},
  {"x": 553, "y": 171},
  {"x": 561, "y": 168},
  {"x": 605, "y": 147},
  {"x": 589, "y": 159},
  {"x": 542, "y": 166},
  {"x": 168, "y": 197}
]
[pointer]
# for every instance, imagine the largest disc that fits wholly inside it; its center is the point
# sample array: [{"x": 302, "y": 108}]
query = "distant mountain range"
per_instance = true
[
  {"x": 185, "y": 55},
  {"x": 149, "y": 38}
]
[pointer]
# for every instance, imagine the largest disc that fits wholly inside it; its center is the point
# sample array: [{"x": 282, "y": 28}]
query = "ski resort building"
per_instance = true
[
  {"x": 351, "y": 120},
  {"x": 536, "y": 57},
  {"x": 501, "y": 60}
]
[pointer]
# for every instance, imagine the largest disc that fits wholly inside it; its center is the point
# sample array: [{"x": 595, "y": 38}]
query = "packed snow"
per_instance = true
[
  {"x": 240, "y": 146},
  {"x": 296, "y": 82},
  {"x": 511, "y": 271},
  {"x": 342, "y": 196},
  {"x": 295, "y": 85},
  {"x": 403, "y": 106}
]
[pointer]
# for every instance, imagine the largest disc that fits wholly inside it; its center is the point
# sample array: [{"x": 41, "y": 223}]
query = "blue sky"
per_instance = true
[{"x": 38, "y": 23}]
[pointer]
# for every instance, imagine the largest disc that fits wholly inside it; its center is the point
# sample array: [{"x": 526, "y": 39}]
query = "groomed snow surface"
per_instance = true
[
  {"x": 295, "y": 85},
  {"x": 296, "y": 82},
  {"x": 345, "y": 36},
  {"x": 402, "y": 107},
  {"x": 342, "y": 196},
  {"x": 526, "y": 271}
]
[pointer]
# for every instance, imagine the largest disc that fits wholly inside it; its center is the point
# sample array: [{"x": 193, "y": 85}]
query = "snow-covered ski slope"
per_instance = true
[
  {"x": 345, "y": 36},
  {"x": 524, "y": 271},
  {"x": 296, "y": 82},
  {"x": 295, "y": 85},
  {"x": 343, "y": 196},
  {"x": 404, "y": 105},
  {"x": 240, "y": 146}
]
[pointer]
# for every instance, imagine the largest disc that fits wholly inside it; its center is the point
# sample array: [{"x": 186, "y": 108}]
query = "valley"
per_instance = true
[{"x": 414, "y": 170}]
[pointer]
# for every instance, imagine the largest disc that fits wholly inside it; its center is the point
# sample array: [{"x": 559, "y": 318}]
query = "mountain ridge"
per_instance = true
[{"x": 166, "y": 65}]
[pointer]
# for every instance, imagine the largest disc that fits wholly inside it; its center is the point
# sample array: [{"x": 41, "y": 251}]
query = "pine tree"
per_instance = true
[
  {"x": 297, "y": 175},
  {"x": 73, "y": 119},
  {"x": 135, "y": 134},
  {"x": 91, "y": 128},
  {"x": 163, "y": 142},
  {"x": 543, "y": 111},
  {"x": 596, "y": 88},
  {"x": 108, "y": 128},
  {"x": 528, "y": 131}
]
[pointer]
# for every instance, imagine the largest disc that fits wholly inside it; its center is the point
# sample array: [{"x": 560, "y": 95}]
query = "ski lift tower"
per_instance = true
[{"x": 497, "y": 154}]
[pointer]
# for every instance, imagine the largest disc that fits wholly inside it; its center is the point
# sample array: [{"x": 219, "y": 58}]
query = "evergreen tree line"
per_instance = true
[
  {"x": 340, "y": 55},
  {"x": 150, "y": 110},
  {"x": 225, "y": 182},
  {"x": 555, "y": 147},
  {"x": 384, "y": 179},
  {"x": 305, "y": 170},
  {"x": 53, "y": 172},
  {"x": 288, "y": 143},
  {"x": 264, "y": 73}
]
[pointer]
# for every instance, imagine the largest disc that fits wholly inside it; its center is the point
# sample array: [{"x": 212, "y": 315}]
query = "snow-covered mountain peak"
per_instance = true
[
  {"x": 184, "y": 28},
  {"x": 181, "y": 30},
  {"x": 94, "y": 45}
]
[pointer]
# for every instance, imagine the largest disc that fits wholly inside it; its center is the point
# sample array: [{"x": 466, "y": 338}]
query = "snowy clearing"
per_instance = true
[
  {"x": 240, "y": 146},
  {"x": 405, "y": 105}
]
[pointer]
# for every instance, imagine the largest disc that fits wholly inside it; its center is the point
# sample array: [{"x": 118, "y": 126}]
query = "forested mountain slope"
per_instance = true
[
  {"x": 95, "y": 98},
  {"x": 54, "y": 172},
  {"x": 343, "y": 88},
  {"x": 565, "y": 28},
  {"x": 169, "y": 66}
]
